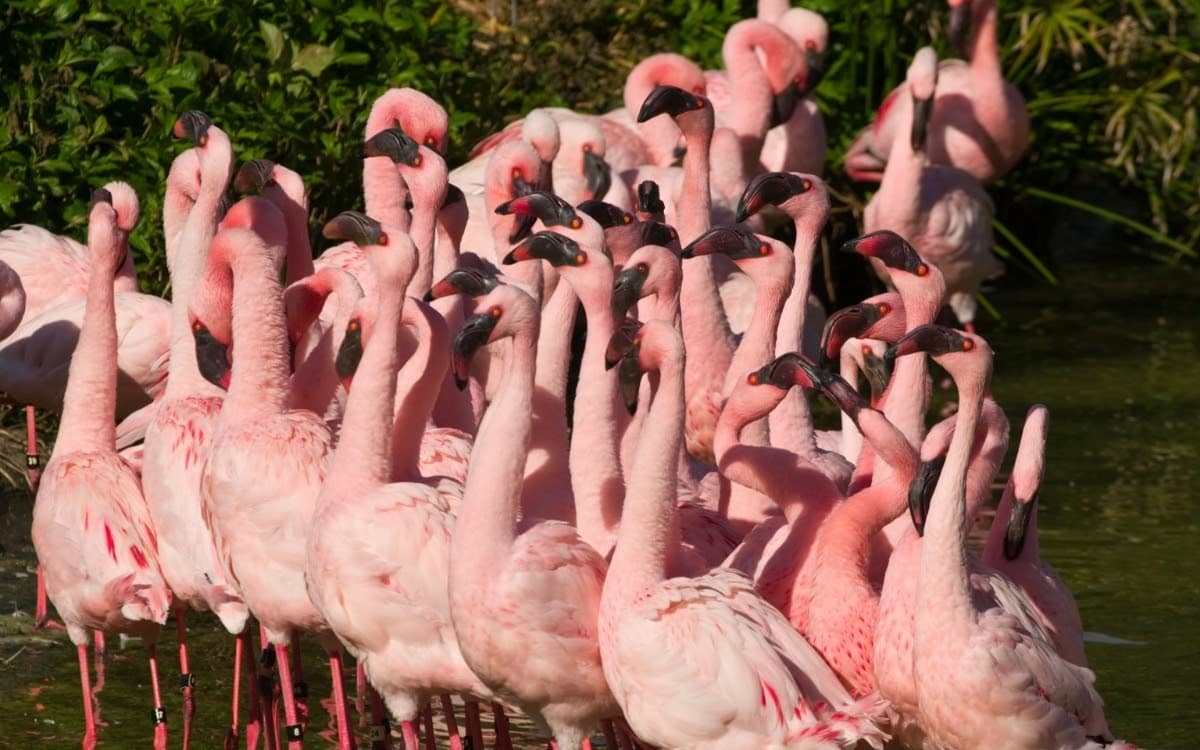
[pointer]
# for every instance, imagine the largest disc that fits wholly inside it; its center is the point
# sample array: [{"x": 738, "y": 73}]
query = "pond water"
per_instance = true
[{"x": 1112, "y": 351}]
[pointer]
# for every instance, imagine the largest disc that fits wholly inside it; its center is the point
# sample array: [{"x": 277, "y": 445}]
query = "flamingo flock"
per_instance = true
[{"x": 375, "y": 448}]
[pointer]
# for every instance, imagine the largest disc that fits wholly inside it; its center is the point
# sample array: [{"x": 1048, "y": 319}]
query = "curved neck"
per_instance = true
[
  {"x": 548, "y": 454},
  {"x": 314, "y": 383},
  {"x": 451, "y": 224},
  {"x": 487, "y": 520},
  {"x": 299, "y": 261},
  {"x": 363, "y": 456},
  {"x": 416, "y": 392},
  {"x": 899, "y": 194},
  {"x": 985, "y": 53},
  {"x": 750, "y": 118},
  {"x": 259, "y": 377},
  {"x": 944, "y": 577},
  {"x": 187, "y": 267},
  {"x": 595, "y": 462},
  {"x": 791, "y": 423},
  {"x": 644, "y": 540},
  {"x": 757, "y": 346},
  {"x": 90, "y": 400}
]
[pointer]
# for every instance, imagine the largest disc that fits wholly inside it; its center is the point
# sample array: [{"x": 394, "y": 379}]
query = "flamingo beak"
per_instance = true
[
  {"x": 598, "y": 174},
  {"x": 815, "y": 61},
  {"x": 473, "y": 335},
  {"x": 922, "y": 109},
  {"x": 469, "y": 281},
  {"x": 349, "y": 353},
  {"x": 843, "y": 324},
  {"x": 212, "y": 356},
  {"x": 920, "y": 492},
  {"x": 960, "y": 29},
  {"x": 254, "y": 175},
  {"x": 784, "y": 104},
  {"x": 877, "y": 372},
  {"x": 627, "y": 290},
  {"x": 1017, "y": 529}
]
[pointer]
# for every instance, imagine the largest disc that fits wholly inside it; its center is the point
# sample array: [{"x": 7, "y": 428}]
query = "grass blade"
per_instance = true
[
  {"x": 1024, "y": 251},
  {"x": 1180, "y": 248}
]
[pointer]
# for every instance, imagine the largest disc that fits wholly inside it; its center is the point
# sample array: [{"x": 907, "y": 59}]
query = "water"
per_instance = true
[{"x": 1112, "y": 352}]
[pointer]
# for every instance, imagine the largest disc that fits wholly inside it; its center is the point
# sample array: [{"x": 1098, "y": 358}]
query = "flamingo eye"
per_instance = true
[
  {"x": 353, "y": 325},
  {"x": 416, "y": 161},
  {"x": 809, "y": 44},
  {"x": 576, "y": 222},
  {"x": 587, "y": 148},
  {"x": 197, "y": 326},
  {"x": 203, "y": 139},
  {"x": 866, "y": 350},
  {"x": 764, "y": 249},
  {"x": 806, "y": 184},
  {"x": 580, "y": 259},
  {"x": 752, "y": 378},
  {"x": 922, "y": 270},
  {"x": 495, "y": 311},
  {"x": 968, "y": 345},
  {"x": 884, "y": 308},
  {"x": 643, "y": 268},
  {"x": 430, "y": 141},
  {"x": 517, "y": 174},
  {"x": 383, "y": 238}
]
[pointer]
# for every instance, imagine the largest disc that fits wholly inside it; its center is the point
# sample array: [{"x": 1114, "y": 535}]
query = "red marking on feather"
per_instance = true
[
  {"x": 112, "y": 545},
  {"x": 774, "y": 699},
  {"x": 882, "y": 112},
  {"x": 138, "y": 557},
  {"x": 87, "y": 517}
]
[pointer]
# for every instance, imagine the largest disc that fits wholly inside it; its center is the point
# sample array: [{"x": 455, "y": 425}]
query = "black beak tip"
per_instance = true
[{"x": 460, "y": 382}]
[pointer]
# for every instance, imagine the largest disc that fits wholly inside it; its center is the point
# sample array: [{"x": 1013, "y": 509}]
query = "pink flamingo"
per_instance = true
[
  {"x": 981, "y": 676},
  {"x": 181, "y": 426},
  {"x": 863, "y": 356},
  {"x": 12, "y": 300},
  {"x": 940, "y": 209},
  {"x": 388, "y": 602},
  {"x": 752, "y": 680},
  {"x": 752, "y": 95},
  {"x": 423, "y": 120},
  {"x": 898, "y": 593},
  {"x": 805, "y": 199},
  {"x": 540, "y": 130},
  {"x": 799, "y": 144},
  {"x": 524, "y": 598},
  {"x": 314, "y": 383},
  {"x": 980, "y": 123},
  {"x": 1012, "y": 543},
  {"x": 705, "y": 326},
  {"x": 285, "y": 189},
  {"x": 266, "y": 463},
  {"x": 91, "y": 530}
]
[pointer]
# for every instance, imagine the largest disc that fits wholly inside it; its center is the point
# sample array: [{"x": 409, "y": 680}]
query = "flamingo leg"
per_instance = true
[
  {"x": 98, "y": 657},
  {"x": 503, "y": 740},
  {"x": 380, "y": 736},
  {"x": 474, "y": 725},
  {"x": 409, "y": 730},
  {"x": 360, "y": 690},
  {"x": 89, "y": 718},
  {"x": 268, "y": 690},
  {"x": 292, "y": 731},
  {"x": 456, "y": 742},
  {"x": 301, "y": 689},
  {"x": 427, "y": 718},
  {"x": 341, "y": 708},
  {"x": 160, "y": 714},
  {"x": 610, "y": 734},
  {"x": 231, "y": 734},
  {"x": 186, "y": 682}
]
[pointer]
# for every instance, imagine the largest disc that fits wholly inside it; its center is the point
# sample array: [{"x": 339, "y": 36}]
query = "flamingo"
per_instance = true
[
  {"x": 983, "y": 676},
  {"x": 751, "y": 681},
  {"x": 285, "y": 189},
  {"x": 980, "y": 123},
  {"x": 423, "y": 120},
  {"x": 1012, "y": 543},
  {"x": 387, "y": 601},
  {"x": 541, "y": 131},
  {"x": 314, "y": 382},
  {"x": 524, "y": 598},
  {"x": 799, "y": 144},
  {"x": 266, "y": 463},
  {"x": 92, "y": 532},
  {"x": 940, "y": 209},
  {"x": 181, "y": 426}
]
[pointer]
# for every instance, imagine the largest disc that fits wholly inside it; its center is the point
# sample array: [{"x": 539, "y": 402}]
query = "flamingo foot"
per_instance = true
[{"x": 409, "y": 730}]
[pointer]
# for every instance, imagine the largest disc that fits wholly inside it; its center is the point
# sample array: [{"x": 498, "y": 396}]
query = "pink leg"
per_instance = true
[
  {"x": 474, "y": 725},
  {"x": 380, "y": 735},
  {"x": 185, "y": 679},
  {"x": 451, "y": 724},
  {"x": 341, "y": 709},
  {"x": 301, "y": 688},
  {"x": 160, "y": 716},
  {"x": 292, "y": 731},
  {"x": 231, "y": 734},
  {"x": 98, "y": 656},
  {"x": 430, "y": 737},
  {"x": 360, "y": 690},
  {"x": 503, "y": 740},
  {"x": 89, "y": 719},
  {"x": 268, "y": 689},
  {"x": 409, "y": 730}
]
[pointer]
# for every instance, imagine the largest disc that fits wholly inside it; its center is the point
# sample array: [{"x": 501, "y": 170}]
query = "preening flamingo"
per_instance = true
[
  {"x": 749, "y": 680},
  {"x": 980, "y": 122},
  {"x": 524, "y": 597},
  {"x": 92, "y": 531},
  {"x": 799, "y": 143}
]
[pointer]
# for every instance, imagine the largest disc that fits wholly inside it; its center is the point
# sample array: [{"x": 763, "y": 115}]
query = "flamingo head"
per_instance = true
[
  {"x": 255, "y": 175},
  {"x": 504, "y": 312},
  {"x": 922, "y": 84},
  {"x": 649, "y": 198},
  {"x": 606, "y": 214},
  {"x": 771, "y": 188},
  {"x": 658, "y": 233},
  {"x": 672, "y": 101},
  {"x": 193, "y": 125},
  {"x": 350, "y": 352},
  {"x": 395, "y": 145},
  {"x": 849, "y": 322},
  {"x": 889, "y": 248},
  {"x": 868, "y": 356},
  {"x": 552, "y": 210},
  {"x": 920, "y": 490},
  {"x": 212, "y": 355},
  {"x": 623, "y": 349},
  {"x": 763, "y": 258},
  {"x": 472, "y": 282}
]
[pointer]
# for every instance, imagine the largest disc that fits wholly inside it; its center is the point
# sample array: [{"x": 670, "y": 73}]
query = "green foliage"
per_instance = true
[{"x": 91, "y": 89}]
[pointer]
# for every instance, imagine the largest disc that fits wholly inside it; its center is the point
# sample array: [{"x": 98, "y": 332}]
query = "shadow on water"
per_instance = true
[{"x": 1113, "y": 352}]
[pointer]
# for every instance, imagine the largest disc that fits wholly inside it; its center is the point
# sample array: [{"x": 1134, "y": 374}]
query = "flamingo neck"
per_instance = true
[
  {"x": 751, "y": 117},
  {"x": 363, "y": 457},
  {"x": 644, "y": 540},
  {"x": 985, "y": 53},
  {"x": 595, "y": 461},
  {"x": 944, "y": 586},
  {"x": 294, "y": 207},
  {"x": 384, "y": 192},
  {"x": 314, "y": 383},
  {"x": 259, "y": 378},
  {"x": 791, "y": 423},
  {"x": 487, "y": 520},
  {"x": 549, "y": 451},
  {"x": 90, "y": 400},
  {"x": 758, "y": 342},
  {"x": 416, "y": 391}
]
